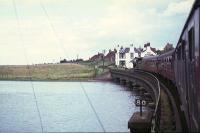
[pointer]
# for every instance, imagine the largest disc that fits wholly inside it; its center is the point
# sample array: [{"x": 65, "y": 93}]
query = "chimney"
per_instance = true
[{"x": 148, "y": 44}]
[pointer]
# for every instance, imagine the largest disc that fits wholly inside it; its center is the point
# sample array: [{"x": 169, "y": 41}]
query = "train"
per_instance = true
[{"x": 181, "y": 67}]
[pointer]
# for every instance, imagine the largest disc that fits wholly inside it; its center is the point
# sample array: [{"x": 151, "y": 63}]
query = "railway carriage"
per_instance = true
[
  {"x": 182, "y": 66},
  {"x": 165, "y": 65},
  {"x": 186, "y": 67},
  {"x": 149, "y": 64}
]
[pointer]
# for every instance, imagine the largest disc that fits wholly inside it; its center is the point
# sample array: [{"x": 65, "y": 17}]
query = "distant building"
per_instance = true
[
  {"x": 124, "y": 56},
  {"x": 148, "y": 50},
  {"x": 111, "y": 56},
  {"x": 168, "y": 47},
  {"x": 97, "y": 57},
  {"x": 138, "y": 52}
]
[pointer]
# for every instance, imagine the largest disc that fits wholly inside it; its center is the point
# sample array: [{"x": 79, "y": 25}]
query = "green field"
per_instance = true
[{"x": 47, "y": 72}]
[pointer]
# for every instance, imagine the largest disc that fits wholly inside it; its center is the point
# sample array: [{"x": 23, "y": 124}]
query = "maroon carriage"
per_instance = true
[
  {"x": 149, "y": 64},
  {"x": 186, "y": 66},
  {"x": 182, "y": 66},
  {"x": 165, "y": 65}
]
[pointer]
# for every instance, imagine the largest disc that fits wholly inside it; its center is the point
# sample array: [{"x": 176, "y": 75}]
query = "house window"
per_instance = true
[
  {"x": 121, "y": 55},
  {"x": 132, "y": 55},
  {"x": 122, "y": 63},
  {"x": 191, "y": 43}
]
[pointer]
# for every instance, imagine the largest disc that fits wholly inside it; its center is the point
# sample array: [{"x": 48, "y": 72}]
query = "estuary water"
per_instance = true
[{"x": 64, "y": 107}]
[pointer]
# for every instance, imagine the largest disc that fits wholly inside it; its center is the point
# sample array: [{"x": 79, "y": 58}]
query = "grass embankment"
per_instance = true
[
  {"x": 99, "y": 67},
  {"x": 47, "y": 72}
]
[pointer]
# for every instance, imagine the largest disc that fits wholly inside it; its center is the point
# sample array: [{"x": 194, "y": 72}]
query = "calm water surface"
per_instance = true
[{"x": 64, "y": 107}]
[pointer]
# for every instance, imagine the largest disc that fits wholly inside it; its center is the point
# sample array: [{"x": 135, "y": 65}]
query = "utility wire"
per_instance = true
[
  {"x": 26, "y": 58},
  {"x": 64, "y": 50},
  {"x": 53, "y": 28},
  {"x": 89, "y": 101}
]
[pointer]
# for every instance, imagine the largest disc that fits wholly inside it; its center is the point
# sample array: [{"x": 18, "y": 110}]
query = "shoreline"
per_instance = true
[
  {"x": 103, "y": 78},
  {"x": 84, "y": 80},
  {"x": 54, "y": 73}
]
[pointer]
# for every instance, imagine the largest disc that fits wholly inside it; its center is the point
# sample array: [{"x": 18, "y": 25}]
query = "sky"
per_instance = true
[{"x": 42, "y": 31}]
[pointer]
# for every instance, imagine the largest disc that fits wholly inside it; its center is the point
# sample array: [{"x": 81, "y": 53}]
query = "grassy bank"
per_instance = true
[
  {"x": 47, "y": 72},
  {"x": 99, "y": 67}
]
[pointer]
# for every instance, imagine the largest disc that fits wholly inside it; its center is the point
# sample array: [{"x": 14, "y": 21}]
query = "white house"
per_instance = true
[
  {"x": 148, "y": 50},
  {"x": 124, "y": 56}
]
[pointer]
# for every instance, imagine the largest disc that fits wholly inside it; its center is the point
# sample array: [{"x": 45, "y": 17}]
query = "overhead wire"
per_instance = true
[
  {"x": 53, "y": 29},
  {"x": 91, "y": 105},
  {"x": 28, "y": 65},
  {"x": 63, "y": 48}
]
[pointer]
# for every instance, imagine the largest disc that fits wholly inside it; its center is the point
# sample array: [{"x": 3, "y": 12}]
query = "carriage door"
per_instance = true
[{"x": 191, "y": 79}]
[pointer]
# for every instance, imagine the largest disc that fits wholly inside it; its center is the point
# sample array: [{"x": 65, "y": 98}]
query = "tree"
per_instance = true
[
  {"x": 168, "y": 47},
  {"x": 159, "y": 52}
]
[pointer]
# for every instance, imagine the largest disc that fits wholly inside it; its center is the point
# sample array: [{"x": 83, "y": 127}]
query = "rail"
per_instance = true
[{"x": 155, "y": 82}]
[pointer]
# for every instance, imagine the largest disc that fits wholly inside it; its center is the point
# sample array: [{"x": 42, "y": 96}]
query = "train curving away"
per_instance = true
[{"x": 182, "y": 67}]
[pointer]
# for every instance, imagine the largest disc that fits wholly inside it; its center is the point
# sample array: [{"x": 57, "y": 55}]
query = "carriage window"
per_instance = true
[{"x": 191, "y": 43}]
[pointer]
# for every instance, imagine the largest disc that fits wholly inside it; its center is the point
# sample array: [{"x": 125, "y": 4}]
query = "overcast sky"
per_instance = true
[{"x": 38, "y": 31}]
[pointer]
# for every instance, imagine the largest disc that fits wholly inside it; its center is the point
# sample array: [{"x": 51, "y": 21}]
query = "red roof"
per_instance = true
[
  {"x": 96, "y": 57},
  {"x": 110, "y": 54}
]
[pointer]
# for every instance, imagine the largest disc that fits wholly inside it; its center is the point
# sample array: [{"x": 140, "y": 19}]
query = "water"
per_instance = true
[{"x": 64, "y": 107}]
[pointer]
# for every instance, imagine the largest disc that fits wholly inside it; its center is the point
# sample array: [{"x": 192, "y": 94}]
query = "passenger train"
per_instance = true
[{"x": 181, "y": 66}]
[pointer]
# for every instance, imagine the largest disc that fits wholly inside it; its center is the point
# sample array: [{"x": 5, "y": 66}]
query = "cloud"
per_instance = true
[
  {"x": 87, "y": 27},
  {"x": 177, "y": 8},
  {"x": 126, "y": 22}
]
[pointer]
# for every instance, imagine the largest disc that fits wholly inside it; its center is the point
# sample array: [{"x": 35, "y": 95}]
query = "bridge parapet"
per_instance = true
[{"x": 139, "y": 77}]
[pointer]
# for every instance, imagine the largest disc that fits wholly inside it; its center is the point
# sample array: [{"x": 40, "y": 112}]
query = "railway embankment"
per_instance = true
[{"x": 160, "y": 102}]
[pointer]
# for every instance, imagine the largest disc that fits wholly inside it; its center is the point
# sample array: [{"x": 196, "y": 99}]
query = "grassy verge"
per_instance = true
[
  {"x": 47, "y": 72},
  {"x": 99, "y": 67}
]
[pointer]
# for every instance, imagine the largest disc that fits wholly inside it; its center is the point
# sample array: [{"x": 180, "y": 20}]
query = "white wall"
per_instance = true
[
  {"x": 117, "y": 58},
  {"x": 148, "y": 52},
  {"x": 127, "y": 57}
]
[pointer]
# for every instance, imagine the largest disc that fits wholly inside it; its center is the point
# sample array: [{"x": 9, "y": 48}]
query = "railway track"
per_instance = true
[{"x": 165, "y": 114}]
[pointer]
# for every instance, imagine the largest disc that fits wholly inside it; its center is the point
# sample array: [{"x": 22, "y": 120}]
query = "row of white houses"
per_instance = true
[{"x": 125, "y": 56}]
